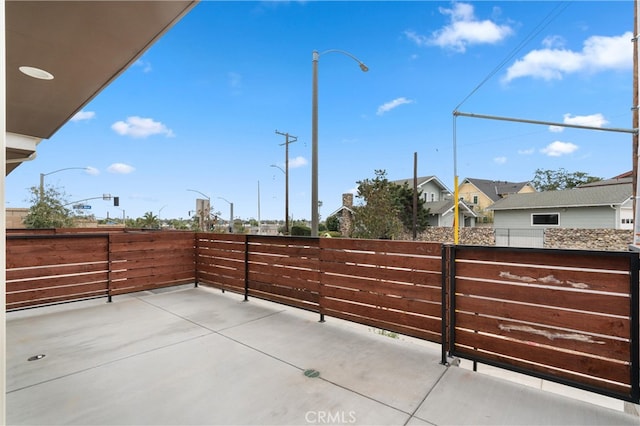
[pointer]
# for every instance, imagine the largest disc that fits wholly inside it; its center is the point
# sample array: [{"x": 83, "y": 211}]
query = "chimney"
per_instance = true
[{"x": 347, "y": 200}]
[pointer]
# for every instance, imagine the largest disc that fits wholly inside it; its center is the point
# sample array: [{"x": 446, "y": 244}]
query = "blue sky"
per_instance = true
[{"x": 200, "y": 109}]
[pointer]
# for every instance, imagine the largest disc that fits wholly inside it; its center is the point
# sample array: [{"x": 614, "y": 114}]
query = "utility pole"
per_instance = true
[{"x": 288, "y": 139}]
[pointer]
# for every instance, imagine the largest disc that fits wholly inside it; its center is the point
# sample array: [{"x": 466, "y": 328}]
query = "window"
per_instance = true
[
  {"x": 545, "y": 219},
  {"x": 475, "y": 199},
  {"x": 433, "y": 196}
]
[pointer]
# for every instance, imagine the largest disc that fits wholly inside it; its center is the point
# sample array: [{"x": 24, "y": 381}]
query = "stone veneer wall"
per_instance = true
[
  {"x": 479, "y": 236},
  {"x": 584, "y": 239},
  {"x": 588, "y": 239}
]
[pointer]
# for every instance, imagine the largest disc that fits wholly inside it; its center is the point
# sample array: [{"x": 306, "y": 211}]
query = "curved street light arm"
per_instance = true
[
  {"x": 278, "y": 167},
  {"x": 201, "y": 193},
  {"x": 317, "y": 55},
  {"x": 42, "y": 175}
]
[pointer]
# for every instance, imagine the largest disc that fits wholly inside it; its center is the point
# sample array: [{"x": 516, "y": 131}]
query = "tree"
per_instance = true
[
  {"x": 333, "y": 223},
  {"x": 553, "y": 180},
  {"x": 48, "y": 211},
  {"x": 379, "y": 217},
  {"x": 150, "y": 221},
  {"x": 404, "y": 200}
]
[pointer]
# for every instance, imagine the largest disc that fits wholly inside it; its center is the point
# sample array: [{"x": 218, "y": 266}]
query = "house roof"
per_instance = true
[
  {"x": 422, "y": 181},
  {"x": 445, "y": 206},
  {"x": 495, "y": 189},
  {"x": 613, "y": 181},
  {"x": 604, "y": 195},
  {"x": 85, "y": 45},
  {"x": 340, "y": 209}
]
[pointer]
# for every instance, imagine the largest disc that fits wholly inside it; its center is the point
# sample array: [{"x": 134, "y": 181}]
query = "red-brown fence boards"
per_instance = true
[
  {"x": 552, "y": 313},
  {"x": 285, "y": 270},
  {"x": 142, "y": 261},
  {"x": 394, "y": 285},
  {"x": 45, "y": 269},
  {"x": 220, "y": 260}
]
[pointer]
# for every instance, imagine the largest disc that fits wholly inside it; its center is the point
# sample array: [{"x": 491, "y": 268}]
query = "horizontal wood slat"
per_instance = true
[
  {"x": 577, "y": 300},
  {"x": 543, "y": 275},
  {"x": 573, "y": 364},
  {"x": 616, "y": 261},
  {"x": 572, "y": 340}
]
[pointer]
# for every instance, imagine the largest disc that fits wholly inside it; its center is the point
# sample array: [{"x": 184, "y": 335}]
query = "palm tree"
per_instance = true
[{"x": 149, "y": 220}]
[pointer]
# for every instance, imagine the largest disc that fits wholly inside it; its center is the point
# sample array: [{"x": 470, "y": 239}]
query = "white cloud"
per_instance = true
[
  {"x": 598, "y": 53},
  {"x": 500, "y": 160},
  {"x": 418, "y": 39},
  {"x": 92, "y": 171},
  {"x": 145, "y": 65},
  {"x": 553, "y": 41},
  {"x": 556, "y": 129},
  {"x": 392, "y": 104},
  {"x": 558, "y": 148},
  {"x": 120, "y": 168},
  {"x": 593, "y": 120},
  {"x": 138, "y": 127},
  {"x": 83, "y": 115},
  {"x": 526, "y": 151},
  {"x": 463, "y": 30},
  {"x": 297, "y": 162}
]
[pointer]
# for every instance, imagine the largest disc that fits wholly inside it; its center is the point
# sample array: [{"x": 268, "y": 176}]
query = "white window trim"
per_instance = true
[{"x": 546, "y": 214}]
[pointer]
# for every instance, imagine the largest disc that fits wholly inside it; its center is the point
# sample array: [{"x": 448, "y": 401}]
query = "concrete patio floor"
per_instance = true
[{"x": 198, "y": 356}]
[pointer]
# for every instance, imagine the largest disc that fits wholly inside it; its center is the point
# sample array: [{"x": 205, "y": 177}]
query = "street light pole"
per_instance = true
[
  {"x": 314, "y": 134},
  {"x": 42, "y": 175},
  {"x": 230, "y": 214}
]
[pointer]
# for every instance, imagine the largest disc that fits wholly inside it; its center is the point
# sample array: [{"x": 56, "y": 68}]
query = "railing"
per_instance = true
[
  {"x": 565, "y": 315},
  {"x": 44, "y": 269},
  {"x": 393, "y": 285}
]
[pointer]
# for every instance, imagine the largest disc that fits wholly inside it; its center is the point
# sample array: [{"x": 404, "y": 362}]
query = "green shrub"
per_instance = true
[{"x": 299, "y": 231}]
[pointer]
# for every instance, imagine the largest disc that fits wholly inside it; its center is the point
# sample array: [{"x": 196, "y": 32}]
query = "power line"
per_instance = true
[{"x": 553, "y": 14}]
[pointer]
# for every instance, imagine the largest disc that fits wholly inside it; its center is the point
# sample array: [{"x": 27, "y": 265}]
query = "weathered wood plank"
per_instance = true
[{"x": 578, "y": 300}]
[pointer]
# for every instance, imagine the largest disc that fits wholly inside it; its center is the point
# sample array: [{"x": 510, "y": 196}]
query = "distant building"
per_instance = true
[
  {"x": 15, "y": 217},
  {"x": 431, "y": 187},
  {"x": 480, "y": 194}
]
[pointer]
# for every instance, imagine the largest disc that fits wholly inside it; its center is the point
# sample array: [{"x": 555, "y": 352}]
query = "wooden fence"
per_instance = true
[
  {"x": 44, "y": 269},
  {"x": 565, "y": 315},
  {"x": 48, "y": 268}
]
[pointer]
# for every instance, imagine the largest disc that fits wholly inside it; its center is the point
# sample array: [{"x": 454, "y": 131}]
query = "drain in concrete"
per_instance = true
[
  {"x": 36, "y": 357},
  {"x": 311, "y": 373}
]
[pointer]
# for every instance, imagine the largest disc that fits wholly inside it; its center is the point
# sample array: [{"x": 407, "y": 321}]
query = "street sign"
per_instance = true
[{"x": 82, "y": 206}]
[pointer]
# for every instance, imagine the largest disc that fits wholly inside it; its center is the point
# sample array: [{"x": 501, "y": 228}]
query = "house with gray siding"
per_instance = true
[
  {"x": 608, "y": 205},
  {"x": 431, "y": 187}
]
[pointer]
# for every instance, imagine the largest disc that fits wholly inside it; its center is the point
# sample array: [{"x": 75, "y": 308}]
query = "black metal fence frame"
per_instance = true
[{"x": 634, "y": 285}]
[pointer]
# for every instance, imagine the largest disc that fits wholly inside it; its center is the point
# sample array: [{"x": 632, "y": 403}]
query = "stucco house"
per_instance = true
[
  {"x": 603, "y": 205},
  {"x": 482, "y": 193}
]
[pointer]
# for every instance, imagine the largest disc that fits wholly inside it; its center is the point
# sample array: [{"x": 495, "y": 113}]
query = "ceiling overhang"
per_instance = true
[{"x": 85, "y": 45}]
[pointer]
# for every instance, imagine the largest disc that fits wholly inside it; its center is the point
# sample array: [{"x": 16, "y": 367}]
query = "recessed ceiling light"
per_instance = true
[{"x": 36, "y": 73}]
